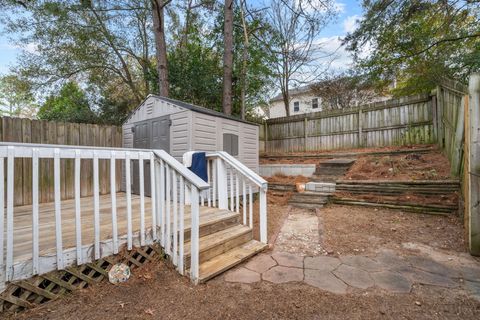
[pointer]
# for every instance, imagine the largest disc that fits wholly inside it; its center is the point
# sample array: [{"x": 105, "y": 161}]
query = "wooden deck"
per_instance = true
[{"x": 23, "y": 223}]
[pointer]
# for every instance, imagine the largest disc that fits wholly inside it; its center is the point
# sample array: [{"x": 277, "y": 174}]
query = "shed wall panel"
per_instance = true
[{"x": 191, "y": 130}]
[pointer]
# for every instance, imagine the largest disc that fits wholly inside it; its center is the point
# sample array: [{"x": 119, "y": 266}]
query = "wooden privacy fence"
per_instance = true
[
  {"x": 48, "y": 132},
  {"x": 407, "y": 120},
  {"x": 449, "y": 121}
]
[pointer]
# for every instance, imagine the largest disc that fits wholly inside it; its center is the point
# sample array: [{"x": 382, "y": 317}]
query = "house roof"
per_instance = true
[
  {"x": 293, "y": 92},
  {"x": 190, "y": 107}
]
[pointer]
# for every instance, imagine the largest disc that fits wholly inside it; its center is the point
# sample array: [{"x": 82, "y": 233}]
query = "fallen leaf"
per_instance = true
[{"x": 149, "y": 311}]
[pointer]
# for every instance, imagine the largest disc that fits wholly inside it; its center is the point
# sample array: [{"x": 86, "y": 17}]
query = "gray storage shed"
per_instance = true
[{"x": 178, "y": 127}]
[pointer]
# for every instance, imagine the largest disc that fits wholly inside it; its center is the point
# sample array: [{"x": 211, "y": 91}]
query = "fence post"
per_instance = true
[
  {"x": 440, "y": 127},
  {"x": 265, "y": 137},
  {"x": 360, "y": 127},
  {"x": 474, "y": 163},
  {"x": 305, "y": 122},
  {"x": 459, "y": 138},
  {"x": 434, "y": 115}
]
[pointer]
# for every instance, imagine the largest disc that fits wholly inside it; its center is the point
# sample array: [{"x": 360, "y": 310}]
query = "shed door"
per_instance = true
[{"x": 149, "y": 134}]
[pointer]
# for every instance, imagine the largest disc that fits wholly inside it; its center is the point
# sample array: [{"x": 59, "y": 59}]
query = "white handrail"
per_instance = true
[
  {"x": 182, "y": 170},
  {"x": 177, "y": 166},
  {"x": 227, "y": 179},
  {"x": 163, "y": 169},
  {"x": 247, "y": 172}
]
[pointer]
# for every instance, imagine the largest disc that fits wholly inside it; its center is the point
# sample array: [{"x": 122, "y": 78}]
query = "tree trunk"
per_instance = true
[
  {"x": 161, "y": 46},
  {"x": 286, "y": 102},
  {"x": 246, "y": 44},
  {"x": 228, "y": 57}
]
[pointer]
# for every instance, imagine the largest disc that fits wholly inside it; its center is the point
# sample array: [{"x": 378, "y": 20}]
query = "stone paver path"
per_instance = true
[
  {"x": 300, "y": 234},
  {"x": 339, "y": 275},
  {"x": 298, "y": 256}
]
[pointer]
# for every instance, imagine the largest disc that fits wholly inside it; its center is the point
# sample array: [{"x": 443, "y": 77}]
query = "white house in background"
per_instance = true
[{"x": 304, "y": 100}]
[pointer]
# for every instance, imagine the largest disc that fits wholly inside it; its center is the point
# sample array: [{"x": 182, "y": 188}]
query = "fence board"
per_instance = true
[
  {"x": 407, "y": 120},
  {"x": 47, "y": 132}
]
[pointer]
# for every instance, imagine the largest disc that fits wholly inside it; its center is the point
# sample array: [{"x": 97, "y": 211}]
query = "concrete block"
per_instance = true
[{"x": 269, "y": 170}]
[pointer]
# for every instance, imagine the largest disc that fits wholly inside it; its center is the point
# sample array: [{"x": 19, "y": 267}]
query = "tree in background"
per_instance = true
[
  {"x": 227, "y": 56},
  {"x": 345, "y": 90},
  {"x": 293, "y": 39},
  {"x": 16, "y": 97},
  {"x": 109, "y": 48},
  {"x": 416, "y": 43},
  {"x": 70, "y": 105},
  {"x": 158, "y": 8},
  {"x": 107, "y": 44}
]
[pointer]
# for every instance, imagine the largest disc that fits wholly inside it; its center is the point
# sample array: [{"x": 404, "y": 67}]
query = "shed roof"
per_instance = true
[{"x": 190, "y": 107}]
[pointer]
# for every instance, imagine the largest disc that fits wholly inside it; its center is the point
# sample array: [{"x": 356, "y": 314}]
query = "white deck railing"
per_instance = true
[
  {"x": 168, "y": 182},
  {"x": 233, "y": 185}
]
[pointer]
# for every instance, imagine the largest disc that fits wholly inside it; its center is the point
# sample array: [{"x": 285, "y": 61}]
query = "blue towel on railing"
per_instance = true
[{"x": 199, "y": 165}]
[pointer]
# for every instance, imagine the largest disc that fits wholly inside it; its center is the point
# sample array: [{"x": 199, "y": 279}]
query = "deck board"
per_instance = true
[{"x": 23, "y": 223}]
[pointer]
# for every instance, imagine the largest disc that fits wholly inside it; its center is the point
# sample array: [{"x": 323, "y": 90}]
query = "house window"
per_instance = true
[
  {"x": 230, "y": 143},
  {"x": 296, "y": 106},
  {"x": 314, "y": 103}
]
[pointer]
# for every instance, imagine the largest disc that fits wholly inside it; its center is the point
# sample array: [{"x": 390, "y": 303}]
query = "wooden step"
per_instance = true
[
  {"x": 229, "y": 259},
  {"x": 219, "y": 242},
  {"x": 213, "y": 222}
]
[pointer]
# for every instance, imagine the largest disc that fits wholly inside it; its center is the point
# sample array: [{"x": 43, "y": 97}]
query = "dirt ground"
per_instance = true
[
  {"x": 409, "y": 197},
  {"x": 156, "y": 291},
  {"x": 277, "y": 213},
  {"x": 359, "y": 230},
  {"x": 414, "y": 166}
]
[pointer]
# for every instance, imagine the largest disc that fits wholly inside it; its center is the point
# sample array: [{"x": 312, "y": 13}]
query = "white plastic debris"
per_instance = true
[{"x": 119, "y": 272}]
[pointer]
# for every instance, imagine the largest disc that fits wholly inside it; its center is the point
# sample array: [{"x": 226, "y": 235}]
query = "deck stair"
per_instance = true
[{"x": 224, "y": 243}]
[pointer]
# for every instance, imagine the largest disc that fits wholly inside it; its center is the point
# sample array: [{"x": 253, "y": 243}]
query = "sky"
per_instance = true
[{"x": 349, "y": 11}]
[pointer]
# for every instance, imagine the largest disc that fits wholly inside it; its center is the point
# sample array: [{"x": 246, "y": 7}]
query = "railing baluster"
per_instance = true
[
  {"x": 214, "y": 180},
  {"x": 244, "y": 202},
  {"x": 250, "y": 206},
  {"x": 142, "y": 198},
  {"x": 113, "y": 196},
  {"x": 168, "y": 244},
  {"x": 35, "y": 231},
  {"x": 232, "y": 208},
  {"x": 162, "y": 203},
  {"x": 237, "y": 199},
  {"x": 58, "y": 208},
  {"x": 209, "y": 174},
  {"x": 181, "y": 227},
  {"x": 175, "y": 217},
  {"x": 96, "y": 206},
  {"x": 263, "y": 215},
  {"x": 194, "y": 235},
  {"x": 128, "y": 187},
  {"x": 153, "y": 197},
  {"x": 222, "y": 185},
  {"x": 10, "y": 176},
  {"x": 2, "y": 222},
  {"x": 78, "y": 217}
]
